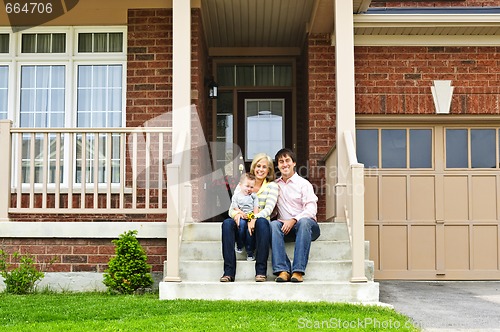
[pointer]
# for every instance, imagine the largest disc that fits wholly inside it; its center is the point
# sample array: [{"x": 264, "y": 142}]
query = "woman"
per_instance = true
[{"x": 262, "y": 168}]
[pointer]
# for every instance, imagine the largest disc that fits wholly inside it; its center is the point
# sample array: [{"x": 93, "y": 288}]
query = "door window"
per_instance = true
[{"x": 264, "y": 122}]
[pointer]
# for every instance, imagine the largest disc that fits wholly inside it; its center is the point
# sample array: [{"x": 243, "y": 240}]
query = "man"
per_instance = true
[{"x": 297, "y": 208}]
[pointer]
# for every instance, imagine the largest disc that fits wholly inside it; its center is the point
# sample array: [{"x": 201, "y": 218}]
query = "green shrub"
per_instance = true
[
  {"x": 21, "y": 279},
  {"x": 128, "y": 271}
]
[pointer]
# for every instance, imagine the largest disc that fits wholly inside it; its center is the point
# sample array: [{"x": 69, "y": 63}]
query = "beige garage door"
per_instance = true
[{"x": 432, "y": 201}]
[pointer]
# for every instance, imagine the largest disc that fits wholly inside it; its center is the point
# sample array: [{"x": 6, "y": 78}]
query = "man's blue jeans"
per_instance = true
[
  {"x": 303, "y": 233},
  {"x": 262, "y": 235}
]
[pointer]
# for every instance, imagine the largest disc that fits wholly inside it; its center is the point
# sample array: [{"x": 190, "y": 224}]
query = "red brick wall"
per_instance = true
[
  {"x": 80, "y": 255},
  {"x": 321, "y": 96},
  {"x": 451, "y": 3},
  {"x": 397, "y": 80}
]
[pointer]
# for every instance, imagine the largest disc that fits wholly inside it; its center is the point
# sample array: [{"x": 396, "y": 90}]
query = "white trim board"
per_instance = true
[
  {"x": 405, "y": 40},
  {"x": 82, "y": 230}
]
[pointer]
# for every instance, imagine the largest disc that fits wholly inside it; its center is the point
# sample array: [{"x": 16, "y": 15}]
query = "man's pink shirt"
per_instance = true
[{"x": 296, "y": 199}]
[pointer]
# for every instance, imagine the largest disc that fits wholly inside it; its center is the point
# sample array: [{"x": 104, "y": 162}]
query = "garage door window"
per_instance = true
[
  {"x": 471, "y": 148},
  {"x": 395, "y": 148}
]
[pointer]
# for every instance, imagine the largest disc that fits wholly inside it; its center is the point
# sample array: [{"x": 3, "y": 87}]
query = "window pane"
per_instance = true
[
  {"x": 100, "y": 42},
  {"x": 264, "y": 130},
  {"x": 367, "y": 147},
  {"x": 483, "y": 148},
  {"x": 224, "y": 131},
  {"x": 393, "y": 148},
  {"x": 43, "y": 43},
  {"x": 264, "y": 75},
  {"x": 4, "y": 43},
  {"x": 244, "y": 76},
  {"x": 84, "y": 42},
  {"x": 283, "y": 75},
  {"x": 225, "y": 75},
  {"x": 420, "y": 148},
  {"x": 99, "y": 93},
  {"x": 58, "y": 43},
  {"x": 116, "y": 42},
  {"x": 4, "y": 85},
  {"x": 28, "y": 43},
  {"x": 456, "y": 148},
  {"x": 42, "y": 100}
]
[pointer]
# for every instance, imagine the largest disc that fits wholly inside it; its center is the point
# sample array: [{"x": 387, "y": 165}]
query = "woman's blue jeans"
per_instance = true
[
  {"x": 262, "y": 235},
  {"x": 303, "y": 233}
]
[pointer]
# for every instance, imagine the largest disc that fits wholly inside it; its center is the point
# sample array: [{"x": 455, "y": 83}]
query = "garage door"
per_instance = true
[{"x": 431, "y": 201}]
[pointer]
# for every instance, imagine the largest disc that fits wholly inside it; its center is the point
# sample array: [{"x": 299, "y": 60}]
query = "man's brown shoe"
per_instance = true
[
  {"x": 297, "y": 277},
  {"x": 283, "y": 277}
]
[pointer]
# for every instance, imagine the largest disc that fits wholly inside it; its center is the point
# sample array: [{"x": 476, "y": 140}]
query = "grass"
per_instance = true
[{"x": 104, "y": 312}]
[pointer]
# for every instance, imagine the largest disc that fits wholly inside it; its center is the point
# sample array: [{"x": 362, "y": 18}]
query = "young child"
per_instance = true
[{"x": 246, "y": 204}]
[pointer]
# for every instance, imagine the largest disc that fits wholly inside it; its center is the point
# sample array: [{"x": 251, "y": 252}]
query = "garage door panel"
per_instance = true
[
  {"x": 456, "y": 203},
  {"x": 423, "y": 248},
  {"x": 422, "y": 198},
  {"x": 393, "y": 204},
  {"x": 457, "y": 248},
  {"x": 371, "y": 198},
  {"x": 484, "y": 198},
  {"x": 394, "y": 248},
  {"x": 485, "y": 247},
  {"x": 371, "y": 235}
]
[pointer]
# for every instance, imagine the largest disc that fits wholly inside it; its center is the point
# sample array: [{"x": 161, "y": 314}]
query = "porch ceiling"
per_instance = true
[{"x": 267, "y": 23}]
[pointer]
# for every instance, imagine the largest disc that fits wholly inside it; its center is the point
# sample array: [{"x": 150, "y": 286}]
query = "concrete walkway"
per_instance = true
[{"x": 446, "y": 305}]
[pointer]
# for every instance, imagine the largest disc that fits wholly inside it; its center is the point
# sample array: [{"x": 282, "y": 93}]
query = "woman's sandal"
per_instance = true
[
  {"x": 260, "y": 278},
  {"x": 226, "y": 279}
]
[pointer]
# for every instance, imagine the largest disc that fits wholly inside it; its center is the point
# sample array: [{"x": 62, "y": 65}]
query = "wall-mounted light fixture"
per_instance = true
[{"x": 213, "y": 89}]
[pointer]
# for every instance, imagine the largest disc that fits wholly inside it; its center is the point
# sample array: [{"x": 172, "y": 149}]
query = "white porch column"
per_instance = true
[
  {"x": 5, "y": 169},
  {"x": 344, "y": 78},
  {"x": 181, "y": 83},
  {"x": 179, "y": 175}
]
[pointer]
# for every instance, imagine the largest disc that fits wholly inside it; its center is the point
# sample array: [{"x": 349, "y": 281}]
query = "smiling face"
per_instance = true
[
  {"x": 247, "y": 186},
  {"x": 286, "y": 165},
  {"x": 261, "y": 169}
]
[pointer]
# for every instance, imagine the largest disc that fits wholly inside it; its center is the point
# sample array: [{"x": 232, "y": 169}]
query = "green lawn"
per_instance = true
[{"x": 103, "y": 312}]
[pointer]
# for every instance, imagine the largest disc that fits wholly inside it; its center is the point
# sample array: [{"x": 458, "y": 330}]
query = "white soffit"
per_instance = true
[{"x": 430, "y": 30}]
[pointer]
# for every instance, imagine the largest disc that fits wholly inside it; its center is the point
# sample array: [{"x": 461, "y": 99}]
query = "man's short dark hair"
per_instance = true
[{"x": 285, "y": 153}]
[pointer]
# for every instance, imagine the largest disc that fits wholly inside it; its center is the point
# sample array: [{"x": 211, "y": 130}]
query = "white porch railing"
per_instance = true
[
  {"x": 355, "y": 210},
  {"x": 83, "y": 171}
]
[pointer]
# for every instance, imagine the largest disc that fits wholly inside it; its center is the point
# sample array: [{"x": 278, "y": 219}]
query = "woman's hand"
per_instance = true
[{"x": 251, "y": 226}]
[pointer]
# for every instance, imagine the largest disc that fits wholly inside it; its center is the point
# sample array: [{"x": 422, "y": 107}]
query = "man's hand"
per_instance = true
[
  {"x": 237, "y": 219},
  {"x": 287, "y": 225}
]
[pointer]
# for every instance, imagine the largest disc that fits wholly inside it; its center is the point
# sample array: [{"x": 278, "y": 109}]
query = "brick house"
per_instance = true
[{"x": 412, "y": 94}]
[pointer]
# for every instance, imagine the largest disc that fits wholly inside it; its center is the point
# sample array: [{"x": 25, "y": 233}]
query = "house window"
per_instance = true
[
  {"x": 471, "y": 148},
  {"x": 4, "y": 91},
  {"x": 255, "y": 75},
  {"x": 100, "y": 42},
  {"x": 4, "y": 43},
  {"x": 55, "y": 80},
  {"x": 394, "y": 148},
  {"x": 43, "y": 43}
]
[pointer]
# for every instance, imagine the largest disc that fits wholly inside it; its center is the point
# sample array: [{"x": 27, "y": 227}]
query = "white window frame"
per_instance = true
[{"x": 71, "y": 59}]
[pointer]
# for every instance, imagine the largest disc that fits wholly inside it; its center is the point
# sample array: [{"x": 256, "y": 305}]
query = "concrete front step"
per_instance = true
[
  {"x": 308, "y": 291},
  {"x": 211, "y": 231},
  {"x": 320, "y": 250},
  {"x": 245, "y": 271}
]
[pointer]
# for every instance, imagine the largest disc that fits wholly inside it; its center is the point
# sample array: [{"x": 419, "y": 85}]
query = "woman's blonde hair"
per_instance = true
[{"x": 270, "y": 165}]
